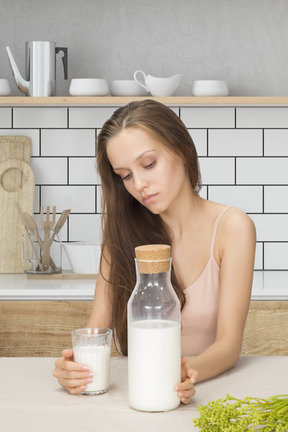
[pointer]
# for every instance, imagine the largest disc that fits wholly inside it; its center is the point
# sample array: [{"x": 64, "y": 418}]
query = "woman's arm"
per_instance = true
[
  {"x": 74, "y": 376},
  {"x": 101, "y": 314},
  {"x": 237, "y": 239}
]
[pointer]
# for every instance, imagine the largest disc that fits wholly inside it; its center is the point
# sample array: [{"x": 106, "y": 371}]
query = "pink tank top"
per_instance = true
[{"x": 199, "y": 315}]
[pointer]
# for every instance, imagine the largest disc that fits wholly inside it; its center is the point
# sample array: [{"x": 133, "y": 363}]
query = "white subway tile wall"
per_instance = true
[
  {"x": 276, "y": 142},
  {"x": 85, "y": 228},
  {"x": 208, "y": 117},
  {"x": 272, "y": 117},
  {"x": 66, "y": 142},
  {"x": 39, "y": 117},
  {"x": 276, "y": 256},
  {"x": 258, "y": 265},
  {"x": 235, "y": 142},
  {"x": 243, "y": 156},
  {"x": 89, "y": 117},
  {"x": 199, "y": 137},
  {"x": 265, "y": 170},
  {"x": 33, "y": 134},
  {"x": 247, "y": 198},
  {"x": 271, "y": 227},
  {"x": 217, "y": 170},
  {"x": 275, "y": 198},
  {"x": 80, "y": 199},
  {"x": 49, "y": 170},
  {"x": 5, "y": 117},
  {"x": 83, "y": 171}
]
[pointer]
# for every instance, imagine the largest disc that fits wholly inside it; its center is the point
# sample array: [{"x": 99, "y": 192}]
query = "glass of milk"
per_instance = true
[{"x": 92, "y": 346}]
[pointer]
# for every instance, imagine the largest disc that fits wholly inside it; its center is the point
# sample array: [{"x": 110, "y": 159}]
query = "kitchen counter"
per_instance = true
[
  {"x": 267, "y": 285},
  {"x": 22, "y": 287},
  {"x": 31, "y": 400}
]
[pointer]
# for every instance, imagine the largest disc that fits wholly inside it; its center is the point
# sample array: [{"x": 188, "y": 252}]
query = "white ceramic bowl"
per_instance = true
[
  {"x": 127, "y": 88},
  {"x": 83, "y": 258},
  {"x": 88, "y": 87},
  {"x": 4, "y": 87},
  {"x": 210, "y": 88}
]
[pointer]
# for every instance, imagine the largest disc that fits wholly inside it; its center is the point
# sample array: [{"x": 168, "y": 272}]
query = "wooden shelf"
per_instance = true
[{"x": 112, "y": 100}]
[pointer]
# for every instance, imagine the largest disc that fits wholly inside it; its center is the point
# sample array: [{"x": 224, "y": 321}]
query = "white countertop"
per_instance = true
[
  {"x": 31, "y": 400},
  {"x": 20, "y": 287},
  {"x": 267, "y": 285}
]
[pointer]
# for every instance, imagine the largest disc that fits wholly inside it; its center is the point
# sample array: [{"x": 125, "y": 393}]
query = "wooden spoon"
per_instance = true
[
  {"x": 29, "y": 231},
  {"x": 47, "y": 225},
  {"x": 32, "y": 226}
]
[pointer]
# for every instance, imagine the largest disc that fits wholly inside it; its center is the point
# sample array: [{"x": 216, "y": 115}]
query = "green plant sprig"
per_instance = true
[{"x": 248, "y": 414}]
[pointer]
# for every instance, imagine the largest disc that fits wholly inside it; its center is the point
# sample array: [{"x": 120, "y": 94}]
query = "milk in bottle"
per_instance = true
[{"x": 154, "y": 350}]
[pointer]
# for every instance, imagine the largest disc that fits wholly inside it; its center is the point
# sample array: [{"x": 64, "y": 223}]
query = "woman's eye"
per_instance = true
[
  {"x": 150, "y": 165},
  {"x": 127, "y": 177}
]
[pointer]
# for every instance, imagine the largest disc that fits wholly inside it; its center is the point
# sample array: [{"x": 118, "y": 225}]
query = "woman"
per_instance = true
[{"x": 150, "y": 182}]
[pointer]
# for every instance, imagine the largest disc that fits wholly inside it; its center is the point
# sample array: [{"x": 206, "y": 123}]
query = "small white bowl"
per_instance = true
[
  {"x": 210, "y": 88},
  {"x": 127, "y": 88},
  {"x": 4, "y": 87},
  {"x": 88, "y": 87},
  {"x": 82, "y": 257}
]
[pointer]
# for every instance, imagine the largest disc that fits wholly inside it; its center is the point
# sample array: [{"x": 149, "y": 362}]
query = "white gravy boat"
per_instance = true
[{"x": 158, "y": 86}]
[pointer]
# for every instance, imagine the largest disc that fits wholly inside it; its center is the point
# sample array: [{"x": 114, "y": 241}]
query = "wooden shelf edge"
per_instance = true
[{"x": 113, "y": 100}]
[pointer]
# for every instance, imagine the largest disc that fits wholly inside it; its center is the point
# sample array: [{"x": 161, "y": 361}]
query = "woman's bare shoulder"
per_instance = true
[
  {"x": 236, "y": 223},
  {"x": 231, "y": 218}
]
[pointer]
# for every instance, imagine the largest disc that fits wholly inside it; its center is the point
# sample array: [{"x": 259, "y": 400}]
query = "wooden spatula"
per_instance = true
[{"x": 47, "y": 225}]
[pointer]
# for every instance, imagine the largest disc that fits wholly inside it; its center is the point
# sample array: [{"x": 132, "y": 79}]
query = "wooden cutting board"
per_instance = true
[
  {"x": 14, "y": 147},
  {"x": 11, "y": 228}
]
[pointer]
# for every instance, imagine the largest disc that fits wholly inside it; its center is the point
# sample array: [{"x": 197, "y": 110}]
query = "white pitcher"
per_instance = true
[{"x": 160, "y": 87}]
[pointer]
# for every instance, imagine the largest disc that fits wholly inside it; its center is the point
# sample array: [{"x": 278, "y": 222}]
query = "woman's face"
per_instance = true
[{"x": 151, "y": 173}]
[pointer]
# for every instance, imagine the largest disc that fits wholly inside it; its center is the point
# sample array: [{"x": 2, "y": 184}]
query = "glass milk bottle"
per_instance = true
[{"x": 154, "y": 329}]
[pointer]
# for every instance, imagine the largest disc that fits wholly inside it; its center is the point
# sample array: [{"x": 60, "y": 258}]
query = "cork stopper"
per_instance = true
[{"x": 153, "y": 258}]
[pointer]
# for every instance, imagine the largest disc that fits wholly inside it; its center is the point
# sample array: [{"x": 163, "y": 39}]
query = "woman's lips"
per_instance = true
[{"x": 148, "y": 198}]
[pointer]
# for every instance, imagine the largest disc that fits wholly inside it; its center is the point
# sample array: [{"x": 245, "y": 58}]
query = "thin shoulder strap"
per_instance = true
[{"x": 215, "y": 230}]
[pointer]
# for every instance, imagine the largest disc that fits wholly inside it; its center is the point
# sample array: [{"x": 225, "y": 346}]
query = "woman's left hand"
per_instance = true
[{"x": 186, "y": 388}]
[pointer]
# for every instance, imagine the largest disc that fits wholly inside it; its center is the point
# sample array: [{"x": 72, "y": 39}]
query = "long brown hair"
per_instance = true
[{"x": 125, "y": 222}]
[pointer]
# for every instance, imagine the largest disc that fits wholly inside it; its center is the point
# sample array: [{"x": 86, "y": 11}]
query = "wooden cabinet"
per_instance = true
[
  {"x": 42, "y": 328},
  {"x": 266, "y": 331}
]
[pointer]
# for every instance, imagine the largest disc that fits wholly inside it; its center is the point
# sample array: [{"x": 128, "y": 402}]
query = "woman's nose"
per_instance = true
[{"x": 139, "y": 183}]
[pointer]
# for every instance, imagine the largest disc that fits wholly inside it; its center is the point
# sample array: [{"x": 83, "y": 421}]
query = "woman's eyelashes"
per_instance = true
[
  {"x": 127, "y": 177},
  {"x": 147, "y": 166},
  {"x": 150, "y": 165}
]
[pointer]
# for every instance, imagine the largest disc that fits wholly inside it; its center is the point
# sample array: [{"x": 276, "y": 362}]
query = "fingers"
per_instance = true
[
  {"x": 77, "y": 385},
  {"x": 72, "y": 376},
  {"x": 186, "y": 389},
  {"x": 76, "y": 390},
  {"x": 183, "y": 368},
  {"x": 185, "y": 395},
  {"x": 68, "y": 354},
  {"x": 192, "y": 374},
  {"x": 73, "y": 381}
]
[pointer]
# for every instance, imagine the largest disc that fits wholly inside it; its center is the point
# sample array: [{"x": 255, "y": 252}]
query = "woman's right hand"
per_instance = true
[{"x": 72, "y": 376}]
